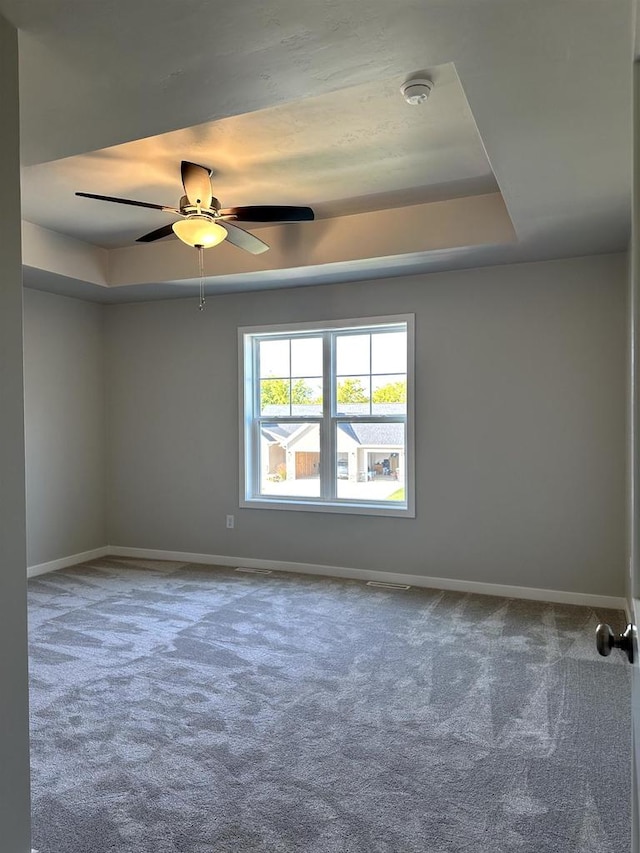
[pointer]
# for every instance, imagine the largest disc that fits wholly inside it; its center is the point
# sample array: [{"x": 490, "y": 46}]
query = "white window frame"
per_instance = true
[{"x": 249, "y": 422}]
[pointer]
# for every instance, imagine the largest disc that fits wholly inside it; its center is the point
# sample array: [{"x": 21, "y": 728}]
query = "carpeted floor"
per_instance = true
[{"x": 184, "y": 709}]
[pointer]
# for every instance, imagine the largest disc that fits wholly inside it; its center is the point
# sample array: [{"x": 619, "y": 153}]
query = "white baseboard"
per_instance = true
[
  {"x": 65, "y": 562},
  {"x": 501, "y": 590}
]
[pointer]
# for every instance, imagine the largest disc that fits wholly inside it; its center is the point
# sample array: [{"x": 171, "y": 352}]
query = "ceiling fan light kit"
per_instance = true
[{"x": 199, "y": 231}]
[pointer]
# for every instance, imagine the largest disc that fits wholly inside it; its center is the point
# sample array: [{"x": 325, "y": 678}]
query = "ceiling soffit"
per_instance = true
[
  {"x": 563, "y": 169},
  {"x": 385, "y": 179}
]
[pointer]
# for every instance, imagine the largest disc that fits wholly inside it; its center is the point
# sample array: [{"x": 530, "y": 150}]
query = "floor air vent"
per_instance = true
[
  {"x": 253, "y": 571},
  {"x": 384, "y": 585}
]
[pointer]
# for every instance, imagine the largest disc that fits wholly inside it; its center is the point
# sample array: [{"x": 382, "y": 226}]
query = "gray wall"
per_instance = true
[
  {"x": 64, "y": 426},
  {"x": 633, "y": 580},
  {"x": 14, "y": 713},
  {"x": 520, "y": 414}
]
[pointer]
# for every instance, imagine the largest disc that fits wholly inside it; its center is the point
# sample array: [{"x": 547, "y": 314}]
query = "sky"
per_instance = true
[{"x": 356, "y": 355}]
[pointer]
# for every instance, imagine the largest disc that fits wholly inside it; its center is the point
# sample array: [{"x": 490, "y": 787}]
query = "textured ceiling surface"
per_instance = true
[
  {"x": 357, "y": 149},
  {"x": 547, "y": 83}
]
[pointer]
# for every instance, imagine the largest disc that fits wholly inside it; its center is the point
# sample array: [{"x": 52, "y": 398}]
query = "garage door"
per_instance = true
[{"x": 307, "y": 464}]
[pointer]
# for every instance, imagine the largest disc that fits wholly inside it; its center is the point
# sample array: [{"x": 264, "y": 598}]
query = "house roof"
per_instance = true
[
  {"x": 366, "y": 434},
  {"x": 274, "y": 410},
  {"x": 279, "y": 432},
  {"x": 375, "y": 435},
  {"x": 282, "y": 411}
]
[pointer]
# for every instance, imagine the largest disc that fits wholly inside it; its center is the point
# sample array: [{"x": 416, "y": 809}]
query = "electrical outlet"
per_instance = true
[{"x": 231, "y": 522}]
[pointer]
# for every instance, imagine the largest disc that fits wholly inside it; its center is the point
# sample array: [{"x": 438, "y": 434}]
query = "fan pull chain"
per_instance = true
[{"x": 202, "y": 304}]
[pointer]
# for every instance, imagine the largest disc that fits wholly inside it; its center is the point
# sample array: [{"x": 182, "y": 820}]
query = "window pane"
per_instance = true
[
  {"x": 358, "y": 414},
  {"x": 306, "y": 357},
  {"x": 290, "y": 459},
  {"x": 353, "y": 354},
  {"x": 306, "y": 397},
  {"x": 274, "y": 358},
  {"x": 389, "y": 352},
  {"x": 353, "y": 395},
  {"x": 375, "y": 461},
  {"x": 275, "y": 396},
  {"x": 389, "y": 394}
]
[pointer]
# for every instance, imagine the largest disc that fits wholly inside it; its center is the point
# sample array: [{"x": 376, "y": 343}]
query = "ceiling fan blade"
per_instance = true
[
  {"x": 269, "y": 213},
  {"x": 196, "y": 181},
  {"x": 243, "y": 239},
  {"x": 129, "y": 201},
  {"x": 158, "y": 234}
]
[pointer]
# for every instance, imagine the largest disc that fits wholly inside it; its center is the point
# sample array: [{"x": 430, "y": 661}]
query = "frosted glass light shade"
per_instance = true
[{"x": 199, "y": 231}]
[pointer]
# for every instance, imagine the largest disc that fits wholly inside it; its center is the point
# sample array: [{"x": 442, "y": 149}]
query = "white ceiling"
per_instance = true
[{"x": 548, "y": 83}]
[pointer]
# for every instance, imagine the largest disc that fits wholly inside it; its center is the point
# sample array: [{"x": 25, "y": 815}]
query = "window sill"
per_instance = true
[{"x": 337, "y": 508}]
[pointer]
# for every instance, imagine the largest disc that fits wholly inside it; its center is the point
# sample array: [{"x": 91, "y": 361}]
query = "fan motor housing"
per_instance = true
[{"x": 186, "y": 207}]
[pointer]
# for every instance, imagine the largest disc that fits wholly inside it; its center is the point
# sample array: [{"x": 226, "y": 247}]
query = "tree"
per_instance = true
[
  {"x": 277, "y": 392},
  {"x": 301, "y": 393},
  {"x": 392, "y": 392},
  {"x": 352, "y": 391},
  {"x": 274, "y": 392}
]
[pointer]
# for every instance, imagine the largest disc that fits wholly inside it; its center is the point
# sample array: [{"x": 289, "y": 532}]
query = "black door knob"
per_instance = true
[{"x": 606, "y": 640}]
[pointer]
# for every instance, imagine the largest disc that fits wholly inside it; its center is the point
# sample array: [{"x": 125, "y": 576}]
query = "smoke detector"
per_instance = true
[{"x": 416, "y": 90}]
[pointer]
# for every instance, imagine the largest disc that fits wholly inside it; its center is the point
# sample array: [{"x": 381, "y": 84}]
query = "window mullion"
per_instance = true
[
  {"x": 256, "y": 428},
  {"x": 255, "y": 420},
  {"x": 326, "y": 438},
  {"x": 370, "y": 373}
]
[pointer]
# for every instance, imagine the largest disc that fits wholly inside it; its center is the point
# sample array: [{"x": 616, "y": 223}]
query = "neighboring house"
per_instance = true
[
  {"x": 371, "y": 450},
  {"x": 273, "y": 454},
  {"x": 366, "y": 451}
]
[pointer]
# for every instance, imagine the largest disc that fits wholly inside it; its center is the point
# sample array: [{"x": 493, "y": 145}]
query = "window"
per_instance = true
[{"x": 327, "y": 416}]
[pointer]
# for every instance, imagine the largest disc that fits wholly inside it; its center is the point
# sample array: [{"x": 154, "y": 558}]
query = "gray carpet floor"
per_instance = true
[{"x": 189, "y": 709}]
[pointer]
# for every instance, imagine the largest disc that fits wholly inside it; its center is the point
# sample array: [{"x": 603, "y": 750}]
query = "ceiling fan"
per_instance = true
[{"x": 204, "y": 223}]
